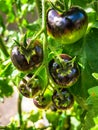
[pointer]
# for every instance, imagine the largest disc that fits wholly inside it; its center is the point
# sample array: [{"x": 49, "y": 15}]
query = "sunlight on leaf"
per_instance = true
[
  {"x": 95, "y": 75},
  {"x": 93, "y": 91}
]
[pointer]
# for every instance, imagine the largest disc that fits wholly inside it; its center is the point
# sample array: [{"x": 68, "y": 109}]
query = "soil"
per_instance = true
[{"x": 8, "y": 108}]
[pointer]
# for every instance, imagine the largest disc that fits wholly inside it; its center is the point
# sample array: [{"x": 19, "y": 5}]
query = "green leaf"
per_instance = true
[
  {"x": 93, "y": 91},
  {"x": 95, "y": 75},
  {"x": 33, "y": 26},
  {"x": 81, "y": 3},
  {"x": 5, "y": 88},
  {"x": 3, "y": 6},
  {"x": 86, "y": 52},
  {"x": 43, "y": 77},
  {"x": 92, "y": 102},
  {"x": 63, "y": 122},
  {"x": 7, "y": 70},
  {"x": 53, "y": 117},
  {"x": 2, "y": 22},
  {"x": 34, "y": 116},
  {"x": 95, "y": 5},
  {"x": 92, "y": 112}
]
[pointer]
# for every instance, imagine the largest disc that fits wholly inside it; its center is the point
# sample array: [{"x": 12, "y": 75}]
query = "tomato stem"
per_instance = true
[
  {"x": 34, "y": 38},
  {"x": 45, "y": 46},
  {"x": 36, "y": 72},
  {"x": 54, "y": 86},
  {"x": 44, "y": 32}
]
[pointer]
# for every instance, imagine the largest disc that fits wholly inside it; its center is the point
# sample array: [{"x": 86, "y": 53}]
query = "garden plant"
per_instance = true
[{"x": 49, "y": 53}]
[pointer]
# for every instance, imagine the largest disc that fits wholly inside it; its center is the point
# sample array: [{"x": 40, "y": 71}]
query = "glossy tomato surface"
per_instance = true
[
  {"x": 68, "y": 27},
  {"x": 20, "y": 62}
]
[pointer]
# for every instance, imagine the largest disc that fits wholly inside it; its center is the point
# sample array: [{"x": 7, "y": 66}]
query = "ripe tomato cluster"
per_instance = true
[{"x": 63, "y": 70}]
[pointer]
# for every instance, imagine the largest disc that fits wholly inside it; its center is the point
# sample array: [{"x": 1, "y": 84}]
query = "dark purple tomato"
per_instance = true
[
  {"x": 40, "y": 102},
  {"x": 20, "y": 62},
  {"x": 27, "y": 89},
  {"x": 68, "y": 27},
  {"x": 53, "y": 108},
  {"x": 65, "y": 72},
  {"x": 62, "y": 100},
  {"x": 43, "y": 101}
]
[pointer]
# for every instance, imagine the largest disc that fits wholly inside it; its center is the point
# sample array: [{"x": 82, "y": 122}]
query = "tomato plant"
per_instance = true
[{"x": 48, "y": 52}]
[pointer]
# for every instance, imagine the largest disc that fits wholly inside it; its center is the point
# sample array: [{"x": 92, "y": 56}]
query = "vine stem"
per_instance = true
[
  {"x": 39, "y": 8},
  {"x": 34, "y": 38},
  {"x": 44, "y": 33},
  {"x": 45, "y": 48},
  {"x": 45, "y": 43}
]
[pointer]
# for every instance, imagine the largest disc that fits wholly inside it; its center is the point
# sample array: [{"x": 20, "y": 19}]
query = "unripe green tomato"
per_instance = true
[{"x": 68, "y": 27}]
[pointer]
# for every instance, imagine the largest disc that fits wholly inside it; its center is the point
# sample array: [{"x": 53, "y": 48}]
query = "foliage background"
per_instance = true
[{"x": 17, "y": 17}]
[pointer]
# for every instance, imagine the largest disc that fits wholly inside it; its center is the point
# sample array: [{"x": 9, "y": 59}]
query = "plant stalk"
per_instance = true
[
  {"x": 34, "y": 38},
  {"x": 20, "y": 109},
  {"x": 45, "y": 42},
  {"x": 45, "y": 48},
  {"x": 3, "y": 48},
  {"x": 39, "y": 7}
]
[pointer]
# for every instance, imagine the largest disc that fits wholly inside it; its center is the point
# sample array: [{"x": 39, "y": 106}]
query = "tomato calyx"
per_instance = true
[
  {"x": 43, "y": 100},
  {"x": 40, "y": 102},
  {"x": 29, "y": 89},
  {"x": 62, "y": 100}
]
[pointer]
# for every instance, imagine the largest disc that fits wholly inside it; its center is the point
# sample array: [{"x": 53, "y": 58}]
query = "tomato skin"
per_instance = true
[
  {"x": 41, "y": 103},
  {"x": 68, "y": 27},
  {"x": 38, "y": 53},
  {"x": 20, "y": 62},
  {"x": 64, "y": 75},
  {"x": 62, "y": 100}
]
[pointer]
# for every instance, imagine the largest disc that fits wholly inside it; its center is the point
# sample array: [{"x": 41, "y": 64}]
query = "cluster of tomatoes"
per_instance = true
[{"x": 67, "y": 28}]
